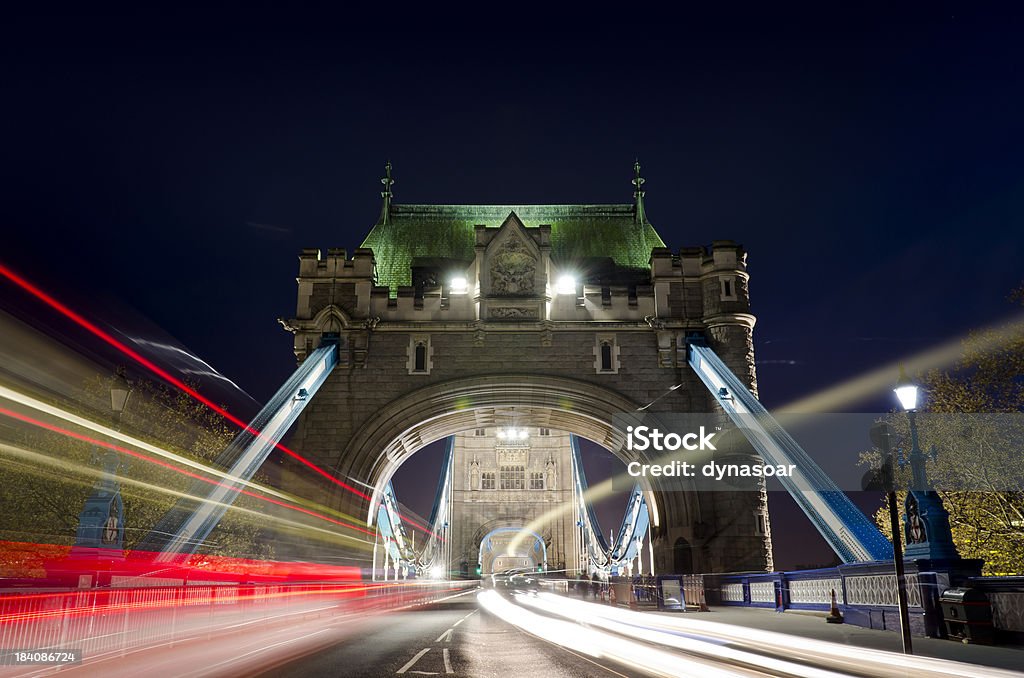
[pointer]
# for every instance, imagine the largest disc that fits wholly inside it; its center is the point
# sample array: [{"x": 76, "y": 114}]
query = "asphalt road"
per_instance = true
[
  {"x": 480, "y": 633},
  {"x": 454, "y": 637}
]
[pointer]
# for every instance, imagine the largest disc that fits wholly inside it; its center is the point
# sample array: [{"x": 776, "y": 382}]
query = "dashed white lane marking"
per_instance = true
[
  {"x": 447, "y": 661},
  {"x": 464, "y": 618},
  {"x": 412, "y": 662},
  {"x": 446, "y": 637}
]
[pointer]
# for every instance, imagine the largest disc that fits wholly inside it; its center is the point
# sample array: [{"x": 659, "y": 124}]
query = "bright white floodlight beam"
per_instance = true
[
  {"x": 459, "y": 285},
  {"x": 566, "y": 285},
  {"x": 906, "y": 392}
]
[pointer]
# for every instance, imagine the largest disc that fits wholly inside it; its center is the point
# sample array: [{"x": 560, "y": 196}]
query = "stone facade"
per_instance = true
[{"x": 490, "y": 334}]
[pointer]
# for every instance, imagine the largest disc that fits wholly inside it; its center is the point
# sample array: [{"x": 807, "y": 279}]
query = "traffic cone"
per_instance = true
[
  {"x": 834, "y": 615},
  {"x": 703, "y": 603}
]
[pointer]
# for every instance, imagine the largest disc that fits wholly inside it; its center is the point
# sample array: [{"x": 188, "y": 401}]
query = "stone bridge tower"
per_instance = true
[{"x": 453, "y": 318}]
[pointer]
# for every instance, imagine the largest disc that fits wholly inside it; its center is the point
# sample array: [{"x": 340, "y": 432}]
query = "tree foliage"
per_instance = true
[
  {"x": 972, "y": 414},
  {"x": 46, "y": 476}
]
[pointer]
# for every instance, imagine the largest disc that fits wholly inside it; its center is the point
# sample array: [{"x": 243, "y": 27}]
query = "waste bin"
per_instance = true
[{"x": 968, "y": 615}]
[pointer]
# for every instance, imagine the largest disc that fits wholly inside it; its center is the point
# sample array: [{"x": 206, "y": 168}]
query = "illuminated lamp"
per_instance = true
[
  {"x": 566, "y": 285},
  {"x": 906, "y": 392}
]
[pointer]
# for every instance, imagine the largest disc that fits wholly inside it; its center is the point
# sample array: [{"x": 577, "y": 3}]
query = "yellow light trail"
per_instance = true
[
  {"x": 64, "y": 415},
  {"x": 882, "y": 379},
  {"x": 38, "y": 458}
]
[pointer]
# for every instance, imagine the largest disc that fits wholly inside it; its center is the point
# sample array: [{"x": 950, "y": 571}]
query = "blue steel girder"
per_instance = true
[
  {"x": 847, "y": 530},
  {"x": 631, "y": 532},
  {"x": 391, "y": 526},
  {"x": 189, "y": 522},
  {"x": 601, "y": 555}
]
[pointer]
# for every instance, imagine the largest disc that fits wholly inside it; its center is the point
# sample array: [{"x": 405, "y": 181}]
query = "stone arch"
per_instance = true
[
  {"x": 538, "y": 546},
  {"x": 410, "y": 422},
  {"x": 332, "y": 318}
]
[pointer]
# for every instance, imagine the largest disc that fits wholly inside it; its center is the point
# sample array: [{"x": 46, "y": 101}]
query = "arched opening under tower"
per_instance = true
[
  {"x": 508, "y": 481},
  {"x": 395, "y": 432},
  {"x": 501, "y": 551}
]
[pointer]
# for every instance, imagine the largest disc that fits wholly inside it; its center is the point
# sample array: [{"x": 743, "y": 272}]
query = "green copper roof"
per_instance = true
[{"x": 578, "y": 232}]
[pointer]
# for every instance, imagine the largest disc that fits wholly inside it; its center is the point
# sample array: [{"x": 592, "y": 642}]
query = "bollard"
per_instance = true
[{"x": 834, "y": 616}]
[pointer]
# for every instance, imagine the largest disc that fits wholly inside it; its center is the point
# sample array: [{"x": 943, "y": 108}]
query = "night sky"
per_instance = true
[{"x": 162, "y": 171}]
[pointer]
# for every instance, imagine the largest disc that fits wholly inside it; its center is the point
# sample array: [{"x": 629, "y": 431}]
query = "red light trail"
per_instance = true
[
  {"x": 162, "y": 373},
  {"x": 117, "y": 448}
]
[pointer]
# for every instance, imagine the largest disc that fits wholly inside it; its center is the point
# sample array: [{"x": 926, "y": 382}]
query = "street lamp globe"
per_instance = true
[
  {"x": 119, "y": 392},
  {"x": 906, "y": 392}
]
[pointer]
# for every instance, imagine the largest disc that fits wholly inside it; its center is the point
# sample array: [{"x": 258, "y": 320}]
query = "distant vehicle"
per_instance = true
[
  {"x": 524, "y": 582},
  {"x": 515, "y": 581}
]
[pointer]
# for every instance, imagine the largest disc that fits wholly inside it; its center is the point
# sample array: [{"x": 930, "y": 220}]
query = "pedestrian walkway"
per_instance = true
[{"x": 813, "y": 625}]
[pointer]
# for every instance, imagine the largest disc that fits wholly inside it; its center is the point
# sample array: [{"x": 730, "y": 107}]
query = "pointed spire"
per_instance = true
[
  {"x": 638, "y": 194},
  {"x": 385, "y": 212}
]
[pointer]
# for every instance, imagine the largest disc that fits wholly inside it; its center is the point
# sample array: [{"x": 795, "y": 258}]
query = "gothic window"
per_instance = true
[
  {"x": 728, "y": 288},
  {"x": 512, "y": 477},
  {"x": 536, "y": 480},
  {"x": 606, "y": 354},
  {"x": 487, "y": 480},
  {"x": 760, "y": 523},
  {"x": 420, "y": 358}
]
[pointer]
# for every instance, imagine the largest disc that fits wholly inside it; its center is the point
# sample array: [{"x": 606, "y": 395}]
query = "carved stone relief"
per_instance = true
[
  {"x": 513, "y": 270},
  {"x": 513, "y": 313},
  {"x": 513, "y": 456}
]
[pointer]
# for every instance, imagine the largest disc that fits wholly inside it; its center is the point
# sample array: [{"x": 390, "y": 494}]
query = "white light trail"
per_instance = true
[
  {"x": 599, "y": 644},
  {"x": 557, "y": 606},
  {"x": 824, "y": 654}
]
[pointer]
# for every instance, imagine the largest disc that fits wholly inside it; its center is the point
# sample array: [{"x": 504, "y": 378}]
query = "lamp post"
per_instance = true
[
  {"x": 880, "y": 436},
  {"x": 926, "y": 520},
  {"x": 928, "y": 537},
  {"x": 100, "y": 533}
]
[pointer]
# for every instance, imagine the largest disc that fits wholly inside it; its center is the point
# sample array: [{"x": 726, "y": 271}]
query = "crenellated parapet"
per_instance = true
[{"x": 516, "y": 280}]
